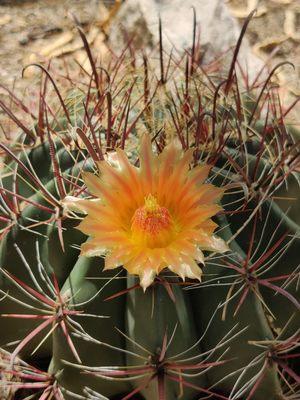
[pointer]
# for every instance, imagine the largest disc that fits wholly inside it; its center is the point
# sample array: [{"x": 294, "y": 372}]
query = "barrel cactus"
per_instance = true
[{"x": 149, "y": 243}]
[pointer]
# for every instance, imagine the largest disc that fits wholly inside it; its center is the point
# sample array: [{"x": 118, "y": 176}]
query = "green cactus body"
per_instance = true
[
  {"x": 251, "y": 325},
  {"x": 89, "y": 330},
  {"x": 81, "y": 289},
  {"x": 167, "y": 314}
]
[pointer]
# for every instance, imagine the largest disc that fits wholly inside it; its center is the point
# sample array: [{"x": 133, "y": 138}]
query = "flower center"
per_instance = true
[{"x": 151, "y": 218}]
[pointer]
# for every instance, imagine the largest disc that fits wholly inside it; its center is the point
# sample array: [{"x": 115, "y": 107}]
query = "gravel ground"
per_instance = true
[
  {"x": 275, "y": 35},
  {"x": 28, "y": 29}
]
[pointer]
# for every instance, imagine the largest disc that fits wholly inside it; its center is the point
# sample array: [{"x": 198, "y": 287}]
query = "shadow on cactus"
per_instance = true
[{"x": 149, "y": 234}]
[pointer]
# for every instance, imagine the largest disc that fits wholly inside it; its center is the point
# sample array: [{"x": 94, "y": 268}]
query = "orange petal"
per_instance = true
[
  {"x": 118, "y": 182},
  {"x": 196, "y": 216},
  {"x": 91, "y": 227},
  {"x": 199, "y": 173}
]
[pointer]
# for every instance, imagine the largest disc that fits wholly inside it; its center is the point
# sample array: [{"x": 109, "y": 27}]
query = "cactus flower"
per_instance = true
[{"x": 151, "y": 217}]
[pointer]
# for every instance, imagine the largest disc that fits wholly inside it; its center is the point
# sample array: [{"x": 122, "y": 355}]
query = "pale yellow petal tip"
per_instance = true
[
  {"x": 112, "y": 158},
  {"x": 146, "y": 278},
  {"x": 88, "y": 249},
  {"x": 71, "y": 203},
  {"x": 213, "y": 243},
  {"x": 184, "y": 270},
  {"x": 111, "y": 262},
  {"x": 219, "y": 244},
  {"x": 175, "y": 143},
  {"x": 192, "y": 272}
]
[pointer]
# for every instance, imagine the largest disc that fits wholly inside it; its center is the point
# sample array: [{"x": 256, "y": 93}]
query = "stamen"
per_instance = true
[{"x": 151, "y": 218}]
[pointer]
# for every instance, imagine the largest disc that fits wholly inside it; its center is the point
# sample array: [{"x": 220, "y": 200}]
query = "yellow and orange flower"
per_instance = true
[{"x": 153, "y": 217}]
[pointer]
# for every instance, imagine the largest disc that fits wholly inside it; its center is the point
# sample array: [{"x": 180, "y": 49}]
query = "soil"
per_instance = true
[
  {"x": 29, "y": 28},
  {"x": 274, "y": 33},
  {"x": 31, "y": 32}
]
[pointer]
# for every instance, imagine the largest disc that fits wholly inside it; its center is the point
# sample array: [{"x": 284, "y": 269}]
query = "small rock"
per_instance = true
[
  {"x": 23, "y": 40},
  {"x": 219, "y": 31},
  {"x": 5, "y": 19}
]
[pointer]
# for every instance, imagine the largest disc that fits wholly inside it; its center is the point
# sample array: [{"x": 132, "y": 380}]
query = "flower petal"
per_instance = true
[
  {"x": 198, "y": 174},
  {"x": 189, "y": 269},
  {"x": 147, "y": 277},
  {"x": 90, "y": 249},
  {"x": 71, "y": 203},
  {"x": 163, "y": 194},
  {"x": 212, "y": 243},
  {"x": 118, "y": 257}
]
